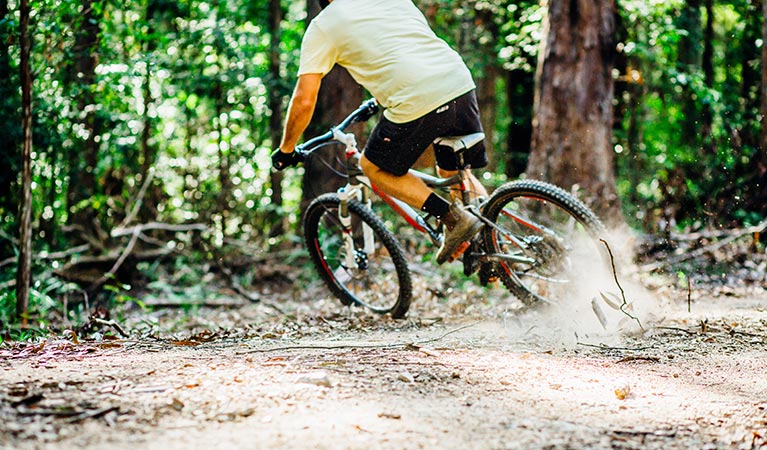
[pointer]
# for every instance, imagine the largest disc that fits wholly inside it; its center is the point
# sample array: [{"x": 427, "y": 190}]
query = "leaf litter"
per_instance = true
[{"x": 467, "y": 368}]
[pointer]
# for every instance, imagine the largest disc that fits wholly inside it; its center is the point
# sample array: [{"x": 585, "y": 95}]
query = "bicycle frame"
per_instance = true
[
  {"x": 359, "y": 187},
  {"x": 531, "y": 237}
]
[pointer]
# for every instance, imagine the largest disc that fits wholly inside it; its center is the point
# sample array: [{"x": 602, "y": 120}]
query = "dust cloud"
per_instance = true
[{"x": 594, "y": 309}]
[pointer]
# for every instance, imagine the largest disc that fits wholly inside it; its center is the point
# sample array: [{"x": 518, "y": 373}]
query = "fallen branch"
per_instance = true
[
  {"x": 677, "y": 329},
  {"x": 111, "y": 323},
  {"x": 638, "y": 358},
  {"x": 657, "y": 433},
  {"x": 96, "y": 242},
  {"x": 405, "y": 345},
  {"x": 607, "y": 347},
  {"x": 45, "y": 256},
  {"x": 193, "y": 304},
  {"x": 732, "y": 331},
  {"x": 623, "y": 293},
  {"x": 87, "y": 270},
  {"x": 125, "y": 231},
  {"x": 760, "y": 228},
  {"x": 119, "y": 262},
  {"x": 92, "y": 414},
  {"x": 139, "y": 199}
]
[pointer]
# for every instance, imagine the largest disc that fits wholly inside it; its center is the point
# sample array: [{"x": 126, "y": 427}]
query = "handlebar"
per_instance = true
[{"x": 364, "y": 112}]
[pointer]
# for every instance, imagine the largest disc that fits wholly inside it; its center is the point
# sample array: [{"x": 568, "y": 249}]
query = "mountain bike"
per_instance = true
[{"x": 536, "y": 238}]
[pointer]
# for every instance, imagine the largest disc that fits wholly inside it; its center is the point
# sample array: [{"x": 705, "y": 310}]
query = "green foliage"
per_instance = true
[
  {"x": 7, "y": 306},
  {"x": 47, "y": 295},
  {"x": 183, "y": 89},
  {"x": 686, "y": 141},
  {"x": 10, "y": 131}
]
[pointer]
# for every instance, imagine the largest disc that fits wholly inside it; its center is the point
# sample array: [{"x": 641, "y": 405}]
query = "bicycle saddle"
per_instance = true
[{"x": 460, "y": 143}]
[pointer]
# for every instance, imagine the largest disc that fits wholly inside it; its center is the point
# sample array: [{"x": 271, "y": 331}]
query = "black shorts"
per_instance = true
[{"x": 395, "y": 147}]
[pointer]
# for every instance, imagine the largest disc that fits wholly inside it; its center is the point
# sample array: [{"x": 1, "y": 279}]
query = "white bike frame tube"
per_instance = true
[
  {"x": 346, "y": 223},
  {"x": 356, "y": 192}
]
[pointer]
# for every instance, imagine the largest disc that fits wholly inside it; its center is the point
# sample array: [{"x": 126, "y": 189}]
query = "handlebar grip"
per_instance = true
[
  {"x": 364, "y": 112},
  {"x": 367, "y": 110},
  {"x": 282, "y": 160}
]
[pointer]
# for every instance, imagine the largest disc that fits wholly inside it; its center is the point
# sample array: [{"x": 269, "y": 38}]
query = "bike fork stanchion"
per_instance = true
[
  {"x": 367, "y": 233},
  {"x": 344, "y": 194},
  {"x": 345, "y": 218}
]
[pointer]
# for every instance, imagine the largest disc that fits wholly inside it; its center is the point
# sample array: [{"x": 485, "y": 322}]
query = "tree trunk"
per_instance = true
[
  {"x": 339, "y": 96},
  {"x": 147, "y": 151},
  {"x": 491, "y": 71},
  {"x": 24, "y": 271},
  {"x": 488, "y": 111},
  {"x": 275, "y": 102},
  {"x": 707, "y": 62},
  {"x": 762, "y": 155},
  {"x": 148, "y": 148},
  {"x": 224, "y": 164},
  {"x": 520, "y": 86},
  {"x": 688, "y": 63},
  {"x": 10, "y": 129},
  {"x": 82, "y": 172},
  {"x": 572, "y": 126},
  {"x": 763, "y": 146}
]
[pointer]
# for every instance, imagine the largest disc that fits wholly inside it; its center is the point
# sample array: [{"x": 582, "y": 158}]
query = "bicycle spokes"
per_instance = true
[
  {"x": 357, "y": 256},
  {"x": 542, "y": 239}
]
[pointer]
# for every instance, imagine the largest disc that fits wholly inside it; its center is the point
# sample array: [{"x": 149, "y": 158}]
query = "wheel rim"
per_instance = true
[
  {"x": 556, "y": 249},
  {"x": 372, "y": 280}
]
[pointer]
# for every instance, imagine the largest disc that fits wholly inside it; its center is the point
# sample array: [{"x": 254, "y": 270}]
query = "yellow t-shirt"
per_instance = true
[{"x": 388, "y": 48}]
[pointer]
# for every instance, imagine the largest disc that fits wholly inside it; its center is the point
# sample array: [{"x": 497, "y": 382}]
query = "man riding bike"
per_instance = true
[{"x": 426, "y": 88}]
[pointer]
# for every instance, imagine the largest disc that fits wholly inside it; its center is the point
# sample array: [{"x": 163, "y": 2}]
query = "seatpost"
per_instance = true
[{"x": 462, "y": 169}]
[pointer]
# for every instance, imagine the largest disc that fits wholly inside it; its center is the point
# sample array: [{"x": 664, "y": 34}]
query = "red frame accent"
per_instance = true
[
  {"x": 398, "y": 210},
  {"x": 520, "y": 220}
]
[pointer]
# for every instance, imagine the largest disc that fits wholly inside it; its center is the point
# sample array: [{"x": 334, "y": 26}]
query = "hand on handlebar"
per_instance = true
[
  {"x": 367, "y": 110},
  {"x": 282, "y": 160}
]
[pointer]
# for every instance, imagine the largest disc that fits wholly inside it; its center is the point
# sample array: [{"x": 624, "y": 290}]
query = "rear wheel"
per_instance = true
[
  {"x": 545, "y": 241},
  {"x": 377, "y": 278}
]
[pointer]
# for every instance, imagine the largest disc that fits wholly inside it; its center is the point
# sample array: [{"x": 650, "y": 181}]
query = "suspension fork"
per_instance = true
[
  {"x": 360, "y": 193},
  {"x": 355, "y": 189}
]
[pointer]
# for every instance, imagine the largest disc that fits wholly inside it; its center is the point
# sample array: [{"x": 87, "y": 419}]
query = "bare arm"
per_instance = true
[{"x": 300, "y": 110}]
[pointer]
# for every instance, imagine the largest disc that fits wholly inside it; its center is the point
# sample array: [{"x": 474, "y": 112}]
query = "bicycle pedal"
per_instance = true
[
  {"x": 459, "y": 251},
  {"x": 470, "y": 261},
  {"x": 488, "y": 274}
]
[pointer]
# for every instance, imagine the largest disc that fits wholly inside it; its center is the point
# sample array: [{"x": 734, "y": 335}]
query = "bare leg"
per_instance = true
[
  {"x": 459, "y": 225},
  {"x": 408, "y": 188},
  {"x": 476, "y": 188}
]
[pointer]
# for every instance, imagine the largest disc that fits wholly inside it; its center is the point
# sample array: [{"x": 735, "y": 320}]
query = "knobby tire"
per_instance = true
[
  {"x": 382, "y": 284},
  {"x": 529, "y": 281}
]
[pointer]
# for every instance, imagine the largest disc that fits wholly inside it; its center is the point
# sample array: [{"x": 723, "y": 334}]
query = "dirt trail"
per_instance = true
[{"x": 696, "y": 381}]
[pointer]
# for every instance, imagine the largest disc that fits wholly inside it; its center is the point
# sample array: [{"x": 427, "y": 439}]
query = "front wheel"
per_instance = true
[
  {"x": 363, "y": 268},
  {"x": 544, "y": 241}
]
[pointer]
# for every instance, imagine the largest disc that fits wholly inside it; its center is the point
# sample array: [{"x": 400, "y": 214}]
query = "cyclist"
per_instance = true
[{"x": 426, "y": 88}]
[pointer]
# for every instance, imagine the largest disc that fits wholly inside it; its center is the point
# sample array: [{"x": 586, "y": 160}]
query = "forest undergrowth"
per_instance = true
[
  {"x": 251, "y": 293},
  {"x": 189, "y": 362}
]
